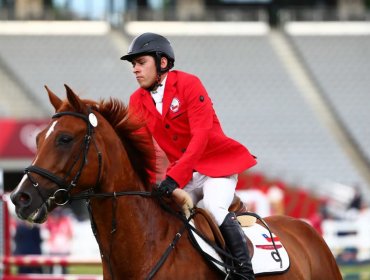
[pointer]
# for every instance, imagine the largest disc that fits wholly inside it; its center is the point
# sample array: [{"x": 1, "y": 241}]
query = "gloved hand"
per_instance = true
[{"x": 167, "y": 186}]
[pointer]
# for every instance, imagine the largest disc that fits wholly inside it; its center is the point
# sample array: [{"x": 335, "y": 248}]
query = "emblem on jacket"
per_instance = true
[{"x": 175, "y": 105}]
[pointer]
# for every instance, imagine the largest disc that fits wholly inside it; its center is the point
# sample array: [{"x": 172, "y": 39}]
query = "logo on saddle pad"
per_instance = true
[
  {"x": 269, "y": 254},
  {"x": 269, "y": 246}
]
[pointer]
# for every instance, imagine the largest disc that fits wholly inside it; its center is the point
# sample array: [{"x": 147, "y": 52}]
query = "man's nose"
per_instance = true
[{"x": 135, "y": 69}]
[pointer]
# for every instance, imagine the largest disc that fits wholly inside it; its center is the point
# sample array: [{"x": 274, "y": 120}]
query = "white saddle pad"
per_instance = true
[{"x": 265, "y": 260}]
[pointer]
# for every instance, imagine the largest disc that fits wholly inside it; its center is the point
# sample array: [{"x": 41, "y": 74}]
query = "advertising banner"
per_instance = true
[{"x": 18, "y": 137}]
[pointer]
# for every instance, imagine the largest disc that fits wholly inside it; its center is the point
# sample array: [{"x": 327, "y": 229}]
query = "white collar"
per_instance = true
[{"x": 159, "y": 92}]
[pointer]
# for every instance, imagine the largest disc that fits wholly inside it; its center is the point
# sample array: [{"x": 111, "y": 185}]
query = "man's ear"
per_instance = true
[{"x": 164, "y": 62}]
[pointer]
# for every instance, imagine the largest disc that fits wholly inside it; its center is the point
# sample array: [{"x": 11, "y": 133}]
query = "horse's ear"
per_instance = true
[
  {"x": 74, "y": 100},
  {"x": 54, "y": 100}
]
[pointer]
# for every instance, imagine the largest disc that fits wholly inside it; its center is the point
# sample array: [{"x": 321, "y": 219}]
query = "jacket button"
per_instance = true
[
  {"x": 183, "y": 150},
  {"x": 167, "y": 126},
  {"x": 174, "y": 137}
]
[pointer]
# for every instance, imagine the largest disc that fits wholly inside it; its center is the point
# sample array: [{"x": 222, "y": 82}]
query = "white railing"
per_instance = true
[{"x": 349, "y": 233}]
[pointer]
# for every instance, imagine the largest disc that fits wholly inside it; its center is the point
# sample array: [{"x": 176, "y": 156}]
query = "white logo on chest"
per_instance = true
[{"x": 175, "y": 105}]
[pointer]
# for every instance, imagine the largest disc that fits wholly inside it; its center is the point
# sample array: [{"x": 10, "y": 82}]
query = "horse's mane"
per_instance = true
[{"x": 137, "y": 142}]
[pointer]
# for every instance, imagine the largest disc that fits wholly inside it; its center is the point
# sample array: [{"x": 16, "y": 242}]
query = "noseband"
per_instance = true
[{"x": 63, "y": 192}]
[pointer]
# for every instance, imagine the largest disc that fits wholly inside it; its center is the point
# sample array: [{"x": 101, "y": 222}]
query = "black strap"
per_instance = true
[
  {"x": 89, "y": 194},
  {"x": 166, "y": 253},
  {"x": 71, "y": 113},
  {"x": 45, "y": 173}
]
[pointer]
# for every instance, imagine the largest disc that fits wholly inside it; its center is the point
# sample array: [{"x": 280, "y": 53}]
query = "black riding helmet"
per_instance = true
[{"x": 151, "y": 44}]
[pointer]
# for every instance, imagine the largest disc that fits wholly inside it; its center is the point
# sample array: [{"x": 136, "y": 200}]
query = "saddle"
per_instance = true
[
  {"x": 267, "y": 253},
  {"x": 207, "y": 225}
]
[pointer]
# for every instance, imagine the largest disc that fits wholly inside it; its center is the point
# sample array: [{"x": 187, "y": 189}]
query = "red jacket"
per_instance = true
[{"x": 189, "y": 131}]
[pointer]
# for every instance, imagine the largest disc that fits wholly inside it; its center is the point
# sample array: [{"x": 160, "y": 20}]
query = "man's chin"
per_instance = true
[{"x": 144, "y": 86}]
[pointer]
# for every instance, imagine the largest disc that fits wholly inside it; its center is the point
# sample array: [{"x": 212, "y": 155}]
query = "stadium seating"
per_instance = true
[
  {"x": 256, "y": 100},
  {"x": 341, "y": 65}
]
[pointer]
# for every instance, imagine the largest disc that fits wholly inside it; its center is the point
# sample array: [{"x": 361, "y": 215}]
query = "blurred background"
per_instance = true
[{"x": 288, "y": 79}]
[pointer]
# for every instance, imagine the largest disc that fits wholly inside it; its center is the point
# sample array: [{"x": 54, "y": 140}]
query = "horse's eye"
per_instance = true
[{"x": 64, "y": 139}]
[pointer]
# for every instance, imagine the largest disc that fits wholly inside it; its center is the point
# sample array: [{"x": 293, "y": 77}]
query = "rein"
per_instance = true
[
  {"x": 186, "y": 226},
  {"x": 114, "y": 195},
  {"x": 89, "y": 195}
]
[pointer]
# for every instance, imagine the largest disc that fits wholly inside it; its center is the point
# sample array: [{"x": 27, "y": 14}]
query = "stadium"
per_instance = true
[{"x": 288, "y": 80}]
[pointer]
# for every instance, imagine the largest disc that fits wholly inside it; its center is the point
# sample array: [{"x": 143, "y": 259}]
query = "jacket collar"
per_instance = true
[{"x": 169, "y": 92}]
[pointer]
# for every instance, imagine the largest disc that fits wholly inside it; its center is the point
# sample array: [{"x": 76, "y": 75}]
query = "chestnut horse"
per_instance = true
[{"x": 94, "y": 151}]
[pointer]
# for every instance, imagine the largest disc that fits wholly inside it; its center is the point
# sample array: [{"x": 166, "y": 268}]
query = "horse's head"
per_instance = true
[
  {"x": 84, "y": 142},
  {"x": 67, "y": 155}
]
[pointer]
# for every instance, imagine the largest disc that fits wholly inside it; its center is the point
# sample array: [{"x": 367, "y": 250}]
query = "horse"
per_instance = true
[{"x": 98, "y": 151}]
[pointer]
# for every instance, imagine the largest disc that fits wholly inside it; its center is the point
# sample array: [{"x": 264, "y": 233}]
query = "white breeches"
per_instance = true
[{"x": 217, "y": 193}]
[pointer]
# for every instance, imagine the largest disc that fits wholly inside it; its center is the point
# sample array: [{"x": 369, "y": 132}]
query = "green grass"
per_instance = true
[
  {"x": 352, "y": 271},
  {"x": 80, "y": 269},
  {"x": 75, "y": 269}
]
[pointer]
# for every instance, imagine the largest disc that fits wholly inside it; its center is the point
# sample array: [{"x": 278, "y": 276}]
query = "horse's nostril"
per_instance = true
[{"x": 24, "y": 199}]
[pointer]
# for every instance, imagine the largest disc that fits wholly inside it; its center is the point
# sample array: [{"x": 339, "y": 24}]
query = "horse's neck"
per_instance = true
[
  {"x": 127, "y": 213},
  {"x": 133, "y": 213},
  {"x": 135, "y": 227},
  {"x": 128, "y": 225}
]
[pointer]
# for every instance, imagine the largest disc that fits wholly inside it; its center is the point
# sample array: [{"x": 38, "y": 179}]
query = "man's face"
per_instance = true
[{"x": 145, "y": 70}]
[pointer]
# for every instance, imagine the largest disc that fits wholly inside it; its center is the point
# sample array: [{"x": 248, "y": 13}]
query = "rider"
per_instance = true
[{"x": 180, "y": 116}]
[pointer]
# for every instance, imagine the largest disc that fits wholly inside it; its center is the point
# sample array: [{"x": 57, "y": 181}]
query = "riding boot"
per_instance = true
[{"x": 237, "y": 245}]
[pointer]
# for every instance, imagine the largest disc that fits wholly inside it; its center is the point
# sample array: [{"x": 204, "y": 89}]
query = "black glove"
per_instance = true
[{"x": 167, "y": 186}]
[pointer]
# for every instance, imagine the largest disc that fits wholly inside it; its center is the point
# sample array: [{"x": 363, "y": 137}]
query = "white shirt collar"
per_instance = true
[
  {"x": 159, "y": 92},
  {"x": 157, "y": 95}
]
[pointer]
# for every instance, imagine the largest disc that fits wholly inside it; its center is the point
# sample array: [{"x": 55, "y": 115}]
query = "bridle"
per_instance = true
[
  {"x": 65, "y": 187},
  {"x": 62, "y": 196}
]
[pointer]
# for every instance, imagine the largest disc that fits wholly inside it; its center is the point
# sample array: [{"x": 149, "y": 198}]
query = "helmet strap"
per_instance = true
[
  {"x": 157, "y": 58},
  {"x": 156, "y": 84}
]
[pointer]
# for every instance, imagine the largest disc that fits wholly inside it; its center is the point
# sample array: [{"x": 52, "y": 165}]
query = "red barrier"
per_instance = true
[
  {"x": 40, "y": 260},
  {"x": 37, "y": 260},
  {"x": 51, "y": 277}
]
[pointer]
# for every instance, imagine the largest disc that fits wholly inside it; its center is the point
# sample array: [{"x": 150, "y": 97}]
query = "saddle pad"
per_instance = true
[{"x": 265, "y": 259}]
